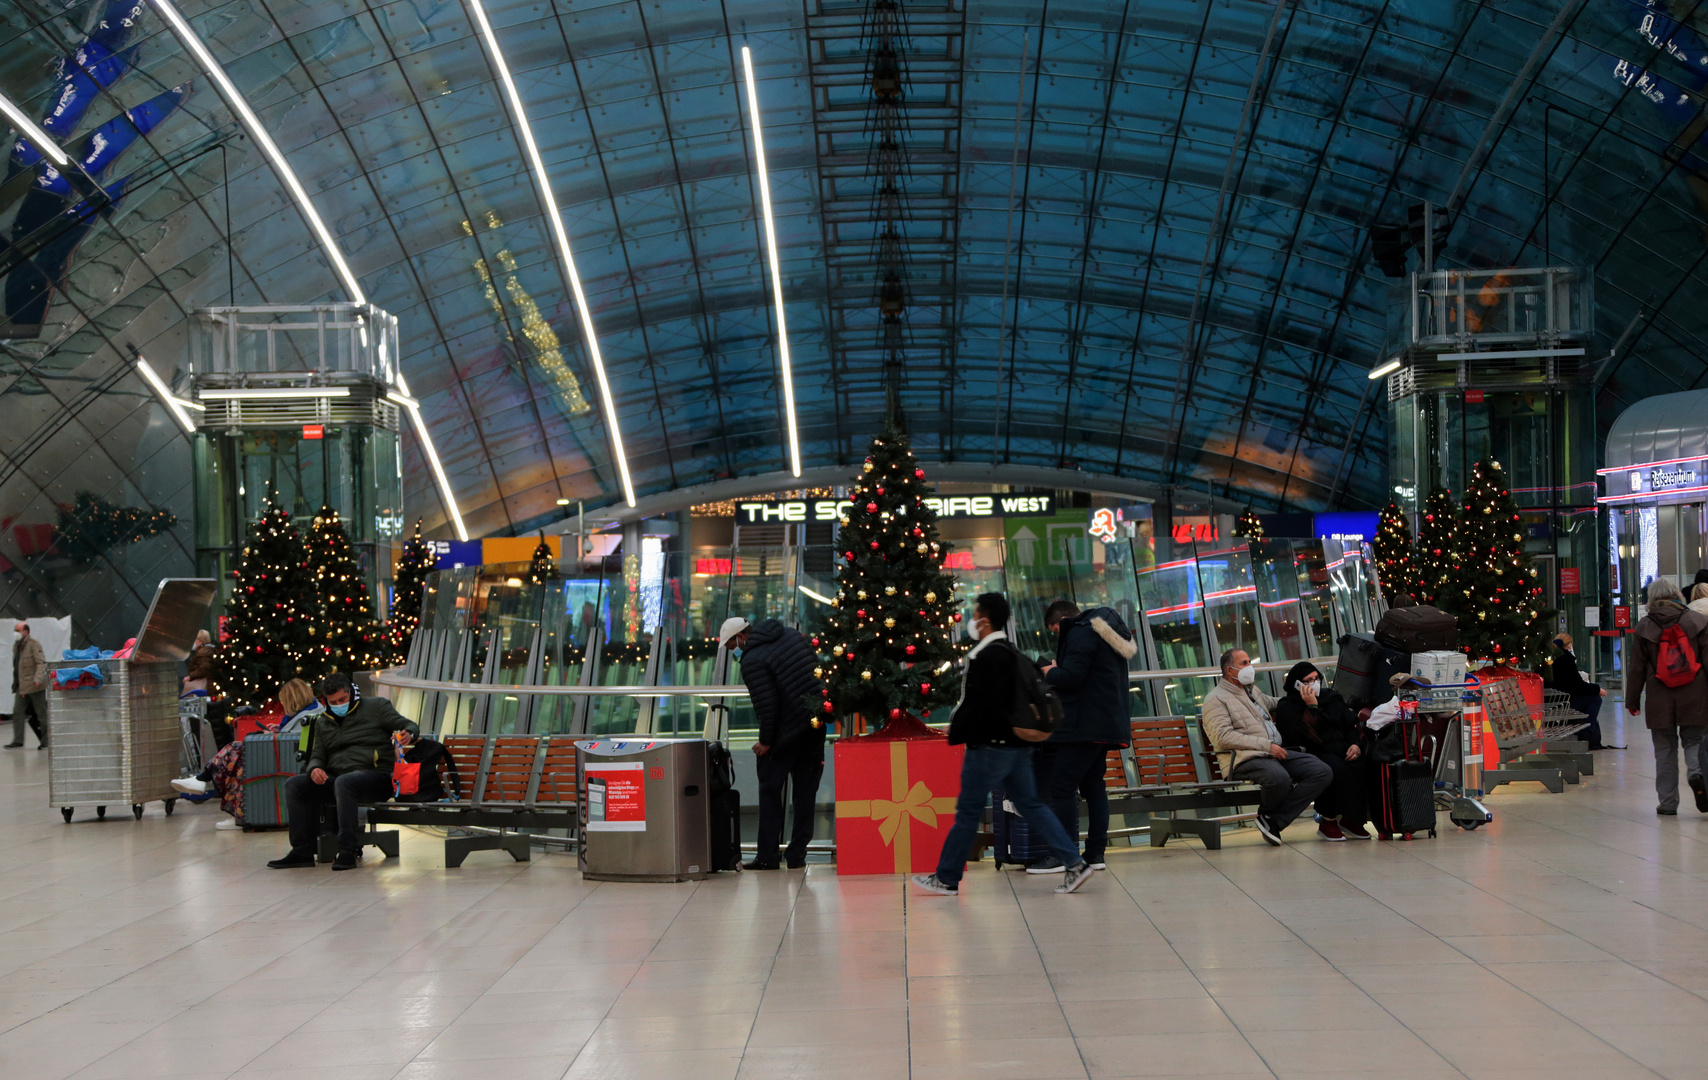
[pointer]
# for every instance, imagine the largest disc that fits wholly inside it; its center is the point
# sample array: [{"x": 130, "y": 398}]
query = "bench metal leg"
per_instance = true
[
  {"x": 457, "y": 848},
  {"x": 1548, "y": 777},
  {"x": 1162, "y": 828}
]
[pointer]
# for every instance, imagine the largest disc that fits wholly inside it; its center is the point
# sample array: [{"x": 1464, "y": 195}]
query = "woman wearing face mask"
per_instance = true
[{"x": 1316, "y": 718}]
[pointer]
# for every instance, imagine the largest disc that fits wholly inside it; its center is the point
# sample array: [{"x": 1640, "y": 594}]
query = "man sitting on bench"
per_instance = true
[{"x": 349, "y": 763}]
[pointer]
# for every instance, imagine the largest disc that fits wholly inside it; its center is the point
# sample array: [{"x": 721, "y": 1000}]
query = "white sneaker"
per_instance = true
[
  {"x": 189, "y": 785},
  {"x": 1050, "y": 865},
  {"x": 228, "y": 825},
  {"x": 931, "y": 883},
  {"x": 1100, "y": 866},
  {"x": 1075, "y": 877}
]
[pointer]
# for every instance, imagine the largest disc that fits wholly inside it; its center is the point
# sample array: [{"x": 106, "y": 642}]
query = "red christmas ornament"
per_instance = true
[
  {"x": 874, "y": 545},
  {"x": 922, "y": 615},
  {"x": 861, "y": 613},
  {"x": 911, "y": 650},
  {"x": 249, "y": 588},
  {"x": 957, "y": 616},
  {"x": 828, "y": 707},
  {"x": 871, "y": 508},
  {"x": 925, "y": 688},
  {"x": 849, "y": 555},
  {"x": 849, "y": 656},
  {"x": 919, "y": 474},
  {"x": 917, "y": 531},
  {"x": 815, "y": 643},
  {"x": 880, "y": 491},
  {"x": 895, "y": 714}
]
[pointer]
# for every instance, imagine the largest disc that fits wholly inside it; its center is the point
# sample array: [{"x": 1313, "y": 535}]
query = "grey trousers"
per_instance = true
[
  {"x": 1288, "y": 786},
  {"x": 21, "y": 714},
  {"x": 1666, "y": 761}
]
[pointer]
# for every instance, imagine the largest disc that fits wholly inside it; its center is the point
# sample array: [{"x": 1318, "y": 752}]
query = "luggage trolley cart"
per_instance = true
[
  {"x": 1522, "y": 734},
  {"x": 1445, "y": 712},
  {"x": 121, "y": 742}
]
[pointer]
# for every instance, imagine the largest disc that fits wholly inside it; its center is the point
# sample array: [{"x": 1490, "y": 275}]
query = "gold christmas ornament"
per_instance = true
[
  {"x": 889, "y": 623},
  {"x": 930, "y": 598},
  {"x": 818, "y": 673},
  {"x": 867, "y": 675},
  {"x": 889, "y": 590},
  {"x": 922, "y": 549},
  {"x": 861, "y": 594},
  {"x": 866, "y": 467}
]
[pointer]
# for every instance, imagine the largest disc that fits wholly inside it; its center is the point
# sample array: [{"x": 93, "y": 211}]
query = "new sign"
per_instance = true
[{"x": 950, "y": 506}]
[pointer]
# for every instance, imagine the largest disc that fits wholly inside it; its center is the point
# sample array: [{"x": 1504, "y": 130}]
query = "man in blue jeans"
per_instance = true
[{"x": 984, "y": 722}]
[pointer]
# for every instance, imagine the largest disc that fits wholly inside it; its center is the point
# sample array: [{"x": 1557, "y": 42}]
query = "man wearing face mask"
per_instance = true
[
  {"x": 349, "y": 764},
  {"x": 29, "y": 684},
  {"x": 1236, "y": 717},
  {"x": 777, "y": 668}
]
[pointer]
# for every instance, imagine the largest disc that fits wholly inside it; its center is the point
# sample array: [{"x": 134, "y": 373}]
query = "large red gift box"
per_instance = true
[{"x": 895, "y": 800}]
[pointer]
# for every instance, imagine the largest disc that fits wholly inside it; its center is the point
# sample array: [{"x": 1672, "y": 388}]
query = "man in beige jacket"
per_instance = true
[
  {"x": 1236, "y": 718},
  {"x": 29, "y": 683}
]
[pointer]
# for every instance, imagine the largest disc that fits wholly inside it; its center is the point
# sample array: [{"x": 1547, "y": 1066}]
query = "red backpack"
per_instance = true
[{"x": 1675, "y": 660}]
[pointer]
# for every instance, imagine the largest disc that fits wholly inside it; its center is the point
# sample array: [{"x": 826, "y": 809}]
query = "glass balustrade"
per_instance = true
[{"x": 653, "y": 621}]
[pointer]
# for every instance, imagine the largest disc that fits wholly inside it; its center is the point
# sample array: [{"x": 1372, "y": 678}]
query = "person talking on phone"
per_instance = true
[
  {"x": 1311, "y": 715},
  {"x": 1236, "y": 717}
]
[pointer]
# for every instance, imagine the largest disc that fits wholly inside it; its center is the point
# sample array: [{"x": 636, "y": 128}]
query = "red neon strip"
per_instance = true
[
  {"x": 1649, "y": 465},
  {"x": 1173, "y": 565},
  {"x": 1221, "y": 594},
  {"x": 1174, "y": 610}
]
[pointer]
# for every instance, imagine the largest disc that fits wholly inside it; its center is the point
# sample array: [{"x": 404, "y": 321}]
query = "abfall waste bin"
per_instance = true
[{"x": 643, "y": 809}]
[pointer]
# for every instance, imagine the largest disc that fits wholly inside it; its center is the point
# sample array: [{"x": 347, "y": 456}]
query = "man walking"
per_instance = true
[
  {"x": 29, "y": 685},
  {"x": 1090, "y": 674},
  {"x": 1236, "y": 717},
  {"x": 983, "y": 721},
  {"x": 777, "y": 667}
]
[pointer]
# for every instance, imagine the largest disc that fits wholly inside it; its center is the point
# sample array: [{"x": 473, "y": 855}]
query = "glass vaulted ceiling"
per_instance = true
[{"x": 1190, "y": 296}]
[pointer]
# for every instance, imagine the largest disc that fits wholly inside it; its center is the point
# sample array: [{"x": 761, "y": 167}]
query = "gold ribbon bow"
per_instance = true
[{"x": 892, "y": 814}]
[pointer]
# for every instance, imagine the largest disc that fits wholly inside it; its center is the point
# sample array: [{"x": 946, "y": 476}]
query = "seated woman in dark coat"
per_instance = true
[{"x": 1315, "y": 718}]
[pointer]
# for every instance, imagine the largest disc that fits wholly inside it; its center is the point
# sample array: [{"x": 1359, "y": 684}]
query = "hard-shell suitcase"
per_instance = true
[
  {"x": 723, "y": 810},
  {"x": 1405, "y": 798},
  {"x": 1418, "y": 629},
  {"x": 1364, "y": 669},
  {"x": 1014, "y": 844},
  {"x": 269, "y": 759}
]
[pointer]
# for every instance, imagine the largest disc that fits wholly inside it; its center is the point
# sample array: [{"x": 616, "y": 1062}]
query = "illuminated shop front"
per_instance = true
[{"x": 1655, "y": 491}]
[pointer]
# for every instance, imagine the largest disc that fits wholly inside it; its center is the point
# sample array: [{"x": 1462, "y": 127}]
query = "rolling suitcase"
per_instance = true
[
  {"x": 1364, "y": 668},
  {"x": 723, "y": 811},
  {"x": 269, "y": 759},
  {"x": 1405, "y": 788},
  {"x": 1418, "y": 629},
  {"x": 1013, "y": 842}
]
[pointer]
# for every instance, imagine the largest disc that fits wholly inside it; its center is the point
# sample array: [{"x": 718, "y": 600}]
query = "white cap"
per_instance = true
[{"x": 732, "y": 626}]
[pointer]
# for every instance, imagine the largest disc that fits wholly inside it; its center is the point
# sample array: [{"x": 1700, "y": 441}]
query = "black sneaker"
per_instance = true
[
  {"x": 757, "y": 865},
  {"x": 1664, "y": 812},
  {"x": 1701, "y": 790},
  {"x": 1051, "y": 865},
  {"x": 293, "y": 860},
  {"x": 1271, "y": 835},
  {"x": 346, "y": 860},
  {"x": 802, "y": 865}
]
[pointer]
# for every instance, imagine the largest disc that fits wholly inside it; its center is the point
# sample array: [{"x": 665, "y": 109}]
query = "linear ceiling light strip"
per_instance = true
[
  {"x": 555, "y": 217},
  {"x": 776, "y": 266},
  {"x": 413, "y": 407},
  {"x": 33, "y": 134},
  {"x": 173, "y": 405},
  {"x": 288, "y": 177}
]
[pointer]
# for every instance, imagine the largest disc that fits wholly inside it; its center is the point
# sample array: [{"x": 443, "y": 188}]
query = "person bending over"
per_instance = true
[
  {"x": 1236, "y": 718},
  {"x": 349, "y": 763},
  {"x": 1317, "y": 718},
  {"x": 777, "y": 667},
  {"x": 983, "y": 721}
]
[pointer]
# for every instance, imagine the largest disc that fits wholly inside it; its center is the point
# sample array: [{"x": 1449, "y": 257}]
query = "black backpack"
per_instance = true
[
  {"x": 439, "y": 777},
  {"x": 1037, "y": 707}
]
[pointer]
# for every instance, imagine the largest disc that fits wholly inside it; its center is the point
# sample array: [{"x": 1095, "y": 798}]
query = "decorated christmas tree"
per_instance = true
[
  {"x": 270, "y": 615},
  {"x": 409, "y": 577},
  {"x": 1247, "y": 527},
  {"x": 888, "y": 647},
  {"x": 1435, "y": 546},
  {"x": 1396, "y": 566},
  {"x": 345, "y": 631},
  {"x": 543, "y": 567},
  {"x": 1494, "y": 592}
]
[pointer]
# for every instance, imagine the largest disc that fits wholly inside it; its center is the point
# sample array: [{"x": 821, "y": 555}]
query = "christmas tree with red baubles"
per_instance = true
[
  {"x": 345, "y": 631},
  {"x": 1494, "y": 593},
  {"x": 409, "y": 577},
  {"x": 1435, "y": 545},
  {"x": 542, "y": 568},
  {"x": 1396, "y": 567},
  {"x": 269, "y": 616},
  {"x": 887, "y": 650}
]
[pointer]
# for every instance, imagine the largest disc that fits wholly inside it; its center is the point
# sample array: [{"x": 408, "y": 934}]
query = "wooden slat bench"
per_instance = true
[
  {"x": 517, "y": 782},
  {"x": 1167, "y": 781}
]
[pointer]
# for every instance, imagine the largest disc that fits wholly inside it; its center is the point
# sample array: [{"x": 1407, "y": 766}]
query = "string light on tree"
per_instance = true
[
  {"x": 894, "y": 617},
  {"x": 1247, "y": 526},
  {"x": 345, "y": 632},
  {"x": 1493, "y": 591},
  {"x": 270, "y": 615},
  {"x": 543, "y": 567},
  {"x": 409, "y": 577},
  {"x": 1396, "y": 565},
  {"x": 1435, "y": 531}
]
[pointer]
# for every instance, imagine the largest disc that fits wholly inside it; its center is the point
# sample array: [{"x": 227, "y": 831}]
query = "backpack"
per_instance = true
[
  {"x": 436, "y": 772},
  {"x": 1675, "y": 660},
  {"x": 1037, "y": 707}
]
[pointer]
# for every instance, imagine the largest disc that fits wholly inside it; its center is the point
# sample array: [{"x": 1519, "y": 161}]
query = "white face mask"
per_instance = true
[
  {"x": 1247, "y": 675},
  {"x": 967, "y": 628}
]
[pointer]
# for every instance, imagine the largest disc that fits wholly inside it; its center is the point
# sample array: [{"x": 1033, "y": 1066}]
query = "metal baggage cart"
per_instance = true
[
  {"x": 1522, "y": 733},
  {"x": 1443, "y": 711},
  {"x": 121, "y": 743}
]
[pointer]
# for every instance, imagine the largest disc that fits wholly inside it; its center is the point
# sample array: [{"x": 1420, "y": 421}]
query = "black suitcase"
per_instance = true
[
  {"x": 1363, "y": 672},
  {"x": 723, "y": 809},
  {"x": 1405, "y": 798},
  {"x": 269, "y": 759},
  {"x": 1416, "y": 629},
  {"x": 1013, "y": 842}
]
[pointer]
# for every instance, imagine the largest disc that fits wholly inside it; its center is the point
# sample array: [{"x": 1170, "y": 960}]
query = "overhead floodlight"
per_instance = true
[
  {"x": 414, "y": 407},
  {"x": 265, "y": 141},
  {"x": 185, "y": 403},
  {"x": 166, "y": 396},
  {"x": 276, "y": 392},
  {"x": 555, "y": 217},
  {"x": 776, "y": 267},
  {"x": 402, "y": 399},
  {"x": 33, "y": 134},
  {"x": 1386, "y": 369}
]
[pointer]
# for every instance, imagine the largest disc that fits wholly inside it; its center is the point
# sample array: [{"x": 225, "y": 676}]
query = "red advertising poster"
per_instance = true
[
  {"x": 1621, "y": 617},
  {"x": 1568, "y": 581},
  {"x": 616, "y": 796},
  {"x": 1473, "y": 397},
  {"x": 313, "y": 431}
]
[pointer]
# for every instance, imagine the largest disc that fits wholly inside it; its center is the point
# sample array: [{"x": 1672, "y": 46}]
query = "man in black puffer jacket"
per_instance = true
[
  {"x": 777, "y": 666},
  {"x": 1090, "y": 674}
]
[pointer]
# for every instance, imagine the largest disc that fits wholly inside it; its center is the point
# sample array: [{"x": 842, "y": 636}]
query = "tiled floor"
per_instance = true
[{"x": 1567, "y": 940}]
